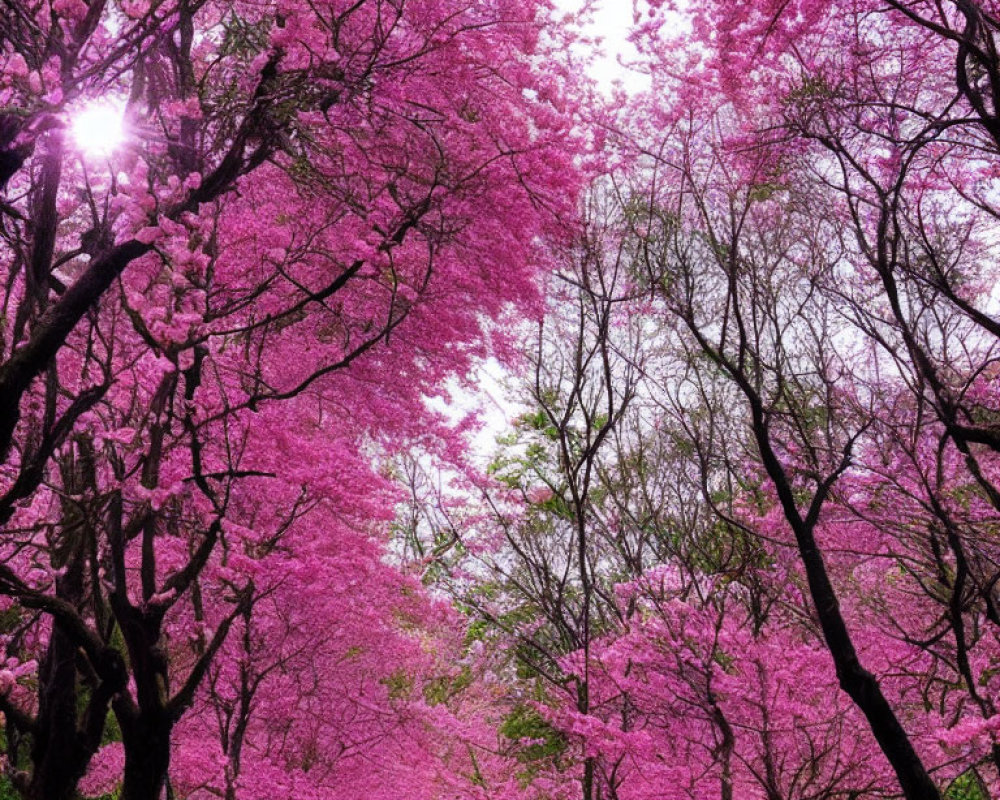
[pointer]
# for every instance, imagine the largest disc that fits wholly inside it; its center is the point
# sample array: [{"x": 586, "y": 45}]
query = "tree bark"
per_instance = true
[
  {"x": 147, "y": 757},
  {"x": 860, "y": 684}
]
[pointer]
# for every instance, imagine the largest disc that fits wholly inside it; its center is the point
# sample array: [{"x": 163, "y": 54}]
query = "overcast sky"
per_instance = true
[{"x": 611, "y": 22}]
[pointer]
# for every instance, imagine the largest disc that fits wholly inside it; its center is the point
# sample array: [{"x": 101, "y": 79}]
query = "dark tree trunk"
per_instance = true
[
  {"x": 860, "y": 684},
  {"x": 70, "y": 719},
  {"x": 147, "y": 757},
  {"x": 58, "y": 759},
  {"x": 146, "y": 724}
]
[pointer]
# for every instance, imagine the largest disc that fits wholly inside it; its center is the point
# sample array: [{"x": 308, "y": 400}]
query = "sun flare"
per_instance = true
[{"x": 99, "y": 127}]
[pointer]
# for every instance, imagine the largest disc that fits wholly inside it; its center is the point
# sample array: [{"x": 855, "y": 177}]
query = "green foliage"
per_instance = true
[
  {"x": 241, "y": 37},
  {"x": 525, "y": 455},
  {"x": 813, "y": 88},
  {"x": 765, "y": 191},
  {"x": 399, "y": 684},
  {"x": 444, "y": 688},
  {"x": 543, "y": 741},
  {"x": 967, "y": 786},
  {"x": 9, "y": 619},
  {"x": 558, "y": 507},
  {"x": 525, "y": 658},
  {"x": 112, "y": 730},
  {"x": 478, "y": 631},
  {"x": 539, "y": 421}
]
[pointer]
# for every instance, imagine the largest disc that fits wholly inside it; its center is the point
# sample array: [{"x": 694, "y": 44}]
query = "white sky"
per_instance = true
[{"x": 611, "y": 21}]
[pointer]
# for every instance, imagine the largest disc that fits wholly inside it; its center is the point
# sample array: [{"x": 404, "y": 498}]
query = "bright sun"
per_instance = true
[{"x": 99, "y": 127}]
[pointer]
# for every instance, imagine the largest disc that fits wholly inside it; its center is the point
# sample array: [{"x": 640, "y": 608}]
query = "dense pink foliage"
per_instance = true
[
  {"x": 317, "y": 213},
  {"x": 741, "y": 544}
]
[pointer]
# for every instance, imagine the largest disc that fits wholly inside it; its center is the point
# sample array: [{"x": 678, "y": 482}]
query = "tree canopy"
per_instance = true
[{"x": 740, "y": 536}]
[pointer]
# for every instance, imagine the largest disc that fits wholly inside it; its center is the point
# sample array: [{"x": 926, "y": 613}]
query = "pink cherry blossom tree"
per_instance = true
[{"x": 212, "y": 331}]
